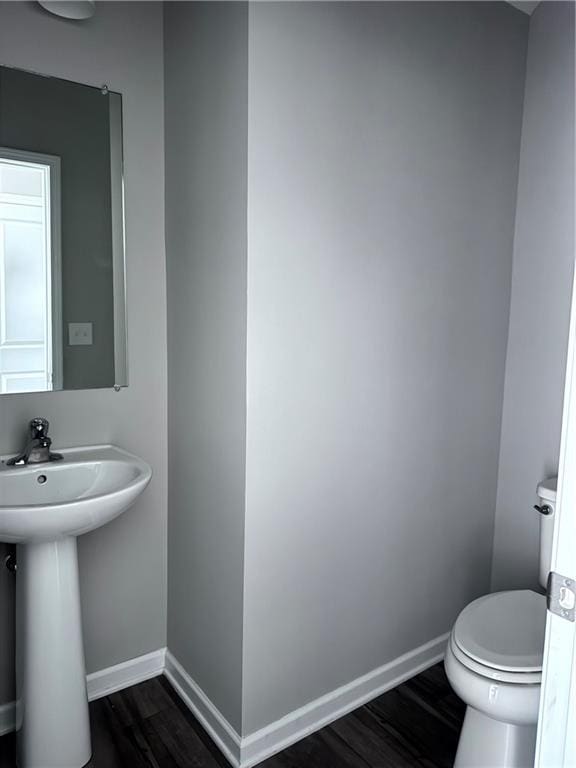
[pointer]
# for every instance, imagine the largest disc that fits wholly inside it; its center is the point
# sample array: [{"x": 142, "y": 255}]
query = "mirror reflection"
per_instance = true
[{"x": 62, "y": 322}]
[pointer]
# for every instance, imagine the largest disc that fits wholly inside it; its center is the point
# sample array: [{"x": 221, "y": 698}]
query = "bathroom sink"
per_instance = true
[
  {"x": 44, "y": 507},
  {"x": 90, "y": 487}
]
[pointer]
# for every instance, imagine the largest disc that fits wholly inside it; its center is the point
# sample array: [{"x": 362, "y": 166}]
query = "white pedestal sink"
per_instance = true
[{"x": 43, "y": 508}]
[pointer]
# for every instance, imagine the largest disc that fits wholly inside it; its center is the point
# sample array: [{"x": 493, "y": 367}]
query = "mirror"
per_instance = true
[{"x": 62, "y": 302}]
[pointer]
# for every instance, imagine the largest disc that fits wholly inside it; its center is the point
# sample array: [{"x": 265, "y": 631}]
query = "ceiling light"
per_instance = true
[{"x": 70, "y": 9}]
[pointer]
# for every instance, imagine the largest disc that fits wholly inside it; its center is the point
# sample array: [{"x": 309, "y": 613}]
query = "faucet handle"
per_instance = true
[{"x": 39, "y": 427}]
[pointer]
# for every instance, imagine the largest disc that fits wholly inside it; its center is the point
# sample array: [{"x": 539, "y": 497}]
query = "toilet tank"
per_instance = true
[{"x": 546, "y": 491}]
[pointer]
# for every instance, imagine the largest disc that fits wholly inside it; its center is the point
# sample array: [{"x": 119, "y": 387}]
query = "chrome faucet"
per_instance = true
[{"x": 37, "y": 450}]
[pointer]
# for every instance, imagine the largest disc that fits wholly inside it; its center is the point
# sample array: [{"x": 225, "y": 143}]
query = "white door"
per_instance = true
[
  {"x": 30, "y": 358},
  {"x": 556, "y": 745}
]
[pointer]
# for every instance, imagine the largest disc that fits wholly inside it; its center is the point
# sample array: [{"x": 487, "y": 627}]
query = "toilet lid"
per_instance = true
[{"x": 504, "y": 630}]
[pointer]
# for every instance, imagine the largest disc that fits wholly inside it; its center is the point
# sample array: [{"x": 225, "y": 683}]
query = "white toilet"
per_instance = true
[{"x": 494, "y": 663}]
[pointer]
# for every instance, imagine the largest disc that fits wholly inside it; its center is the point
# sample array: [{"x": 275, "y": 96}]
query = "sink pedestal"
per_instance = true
[
  {"x": 43, "y": 508},
  {"x": 52, "y": 704}
]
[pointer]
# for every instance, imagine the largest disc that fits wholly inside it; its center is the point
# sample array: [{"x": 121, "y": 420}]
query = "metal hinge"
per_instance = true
[{"x": 561, "y": 596}]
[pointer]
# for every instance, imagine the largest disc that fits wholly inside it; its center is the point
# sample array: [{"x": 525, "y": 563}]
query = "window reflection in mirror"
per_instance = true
[{"x": 62, "y": 323}]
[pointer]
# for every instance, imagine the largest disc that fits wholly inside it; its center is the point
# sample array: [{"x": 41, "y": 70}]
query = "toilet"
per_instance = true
[{"x": 494, "y": 663}]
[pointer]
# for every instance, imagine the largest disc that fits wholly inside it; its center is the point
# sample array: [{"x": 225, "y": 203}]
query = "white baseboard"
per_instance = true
[
  {"x": 104, "y": 682},
  {"x": 311, "y": 717},
  {"x": 7, "y": 717},
  {"x": 224, "y": 735},
  {"x": 247, "y": 751},
  {"x": 123, "y": 675},
  {"x": 243, "y": 752}
]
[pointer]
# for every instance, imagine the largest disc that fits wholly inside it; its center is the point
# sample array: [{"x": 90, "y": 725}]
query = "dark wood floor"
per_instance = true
[{"x": 147, "y": 726}]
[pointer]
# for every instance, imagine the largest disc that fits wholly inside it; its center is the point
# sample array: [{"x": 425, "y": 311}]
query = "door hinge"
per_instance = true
[{"x": 561, "y": 596}]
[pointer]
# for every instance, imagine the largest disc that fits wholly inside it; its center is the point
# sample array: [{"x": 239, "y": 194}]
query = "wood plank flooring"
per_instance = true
[{"x": 147, "y": 726}]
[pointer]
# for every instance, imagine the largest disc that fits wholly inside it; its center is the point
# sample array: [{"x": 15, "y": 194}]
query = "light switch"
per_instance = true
[{"x": 79, "y": 333}]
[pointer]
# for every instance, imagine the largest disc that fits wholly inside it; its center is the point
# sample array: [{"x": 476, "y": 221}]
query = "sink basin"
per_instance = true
[
  {"x": 43, "y": 508},
  {"x": 87, "y": 489}
]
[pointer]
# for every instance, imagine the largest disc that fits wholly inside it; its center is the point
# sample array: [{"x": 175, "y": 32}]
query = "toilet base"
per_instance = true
[{"x": 488, "y": 743}]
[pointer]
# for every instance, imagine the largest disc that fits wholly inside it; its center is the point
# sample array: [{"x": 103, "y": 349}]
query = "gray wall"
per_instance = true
[
  {"x": 383, "y": 154},
  {"x": 206, "y": 155},
  {"x": 541, "y": 288},
  {"x": 123, "y": 565}
]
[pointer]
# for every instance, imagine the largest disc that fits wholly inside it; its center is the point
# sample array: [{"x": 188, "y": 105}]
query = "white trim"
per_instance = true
[
  {"x": 56, "y": 330},
  {"x": 255, "y": 747},
  {"x": 318, "y": 713},
  {"x": 224, "y": 735},
  {"x": 104, "y": 682},
  {"x": 53, "y": 246},
  {"x": 123, "y": 675},
  {"x": 7, "y": 717}
]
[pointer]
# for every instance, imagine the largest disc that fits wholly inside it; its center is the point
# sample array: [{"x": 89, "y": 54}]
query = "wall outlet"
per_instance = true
[{"x": 79, "y": 333}]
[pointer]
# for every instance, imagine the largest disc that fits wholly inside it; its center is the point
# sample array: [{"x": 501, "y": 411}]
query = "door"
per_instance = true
[
  {"x": 556, "y": 744},
  {"x": 30, "y": 315}
]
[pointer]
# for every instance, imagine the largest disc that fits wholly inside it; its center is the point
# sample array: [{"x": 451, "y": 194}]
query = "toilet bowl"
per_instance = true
[{"x": 494, "y": 664}]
